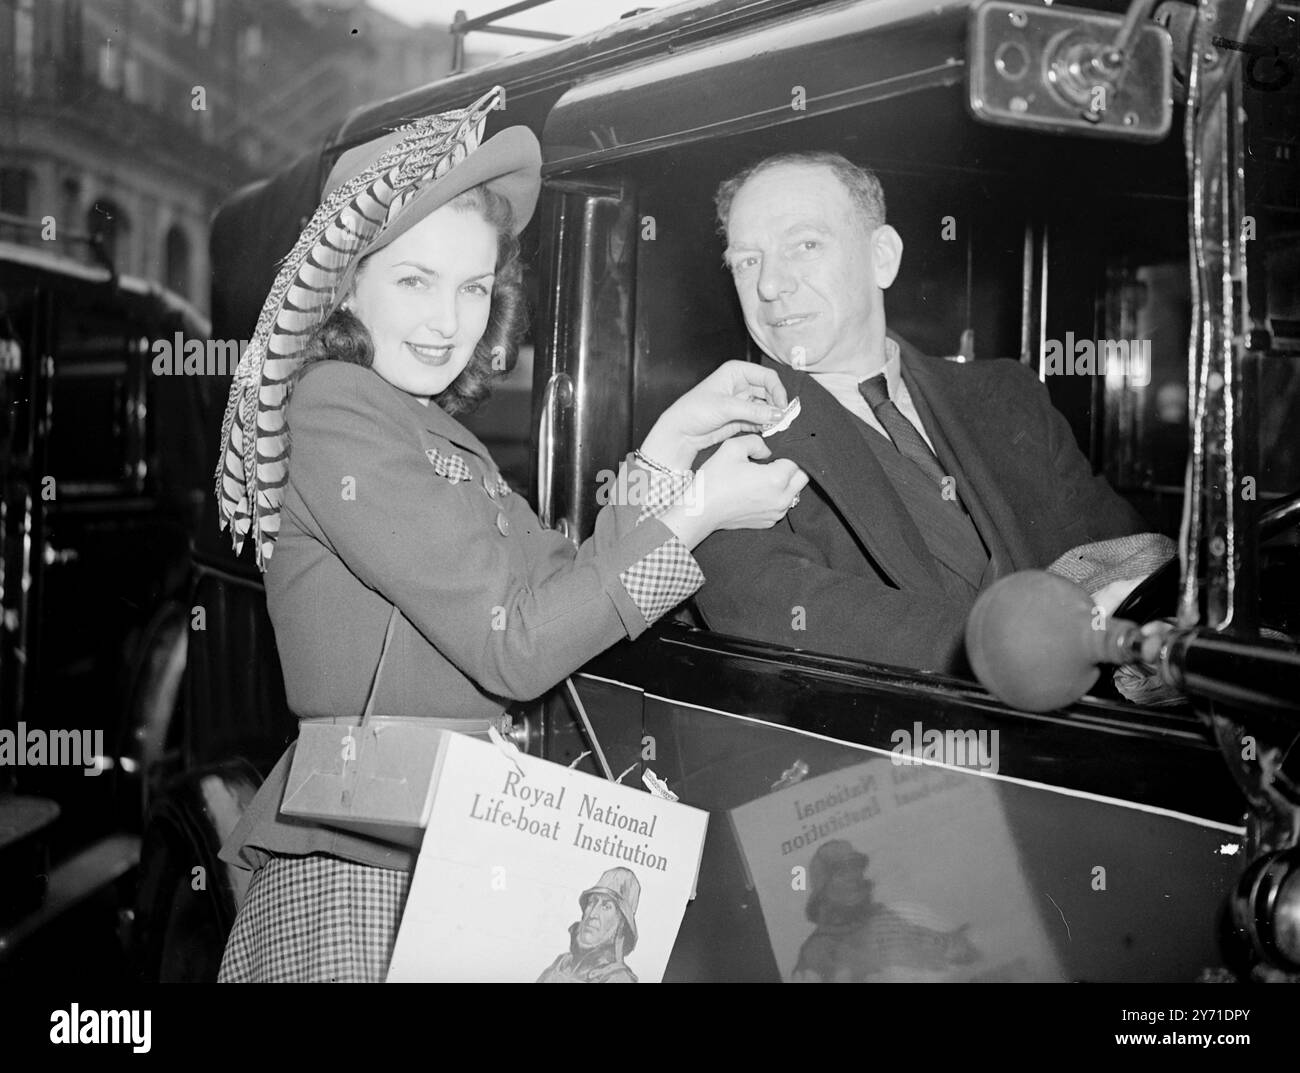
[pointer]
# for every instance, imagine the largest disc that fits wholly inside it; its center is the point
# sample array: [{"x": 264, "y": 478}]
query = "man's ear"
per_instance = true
[{"x": 886, "y": 254}]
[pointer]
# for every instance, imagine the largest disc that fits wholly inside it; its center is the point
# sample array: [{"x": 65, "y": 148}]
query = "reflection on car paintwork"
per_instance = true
[
  {"x": 970, "y": 875},
  {"x": 854, "y": 871}
]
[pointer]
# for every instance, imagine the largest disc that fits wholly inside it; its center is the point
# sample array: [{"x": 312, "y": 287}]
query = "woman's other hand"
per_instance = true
[
  {"x": 731, "y": 491},
  {"x": 737, "y": 397}
]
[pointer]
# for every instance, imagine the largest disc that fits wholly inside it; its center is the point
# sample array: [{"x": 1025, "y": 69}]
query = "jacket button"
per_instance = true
[
  {"x": 489, "y": 486},
  {"x": 503, "y": 524}
]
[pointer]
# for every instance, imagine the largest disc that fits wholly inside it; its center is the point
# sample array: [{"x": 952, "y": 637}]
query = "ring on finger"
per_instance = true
[{"x": 795, "y": 501}]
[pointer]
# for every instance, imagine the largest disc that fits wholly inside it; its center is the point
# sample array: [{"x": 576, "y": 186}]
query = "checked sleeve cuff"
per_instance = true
[
  {"x": 661, "y": 580},
  {"x": 662, "y": 492}
]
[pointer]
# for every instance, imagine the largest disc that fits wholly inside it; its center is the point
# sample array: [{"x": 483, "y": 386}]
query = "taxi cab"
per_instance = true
[{"x": 1101, "y": 840}]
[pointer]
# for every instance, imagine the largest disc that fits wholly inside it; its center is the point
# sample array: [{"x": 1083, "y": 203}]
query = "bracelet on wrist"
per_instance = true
[{"x": 659, "y": 467}]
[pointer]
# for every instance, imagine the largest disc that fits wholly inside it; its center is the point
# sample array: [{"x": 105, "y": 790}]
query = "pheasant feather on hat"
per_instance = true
[{"x": 373, "y": 201}]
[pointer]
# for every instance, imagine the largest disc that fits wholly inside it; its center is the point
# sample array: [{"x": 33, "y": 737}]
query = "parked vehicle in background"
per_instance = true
[{"x": 95, "y": 517}]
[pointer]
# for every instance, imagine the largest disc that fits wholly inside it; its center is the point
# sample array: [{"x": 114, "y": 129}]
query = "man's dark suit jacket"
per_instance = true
[{"x": 847, "y": 572}]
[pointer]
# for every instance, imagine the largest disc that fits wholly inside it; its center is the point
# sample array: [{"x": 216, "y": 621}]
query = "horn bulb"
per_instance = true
[{"x": 1036, "y": 640}]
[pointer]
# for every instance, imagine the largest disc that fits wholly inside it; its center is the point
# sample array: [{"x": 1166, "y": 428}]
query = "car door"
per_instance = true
[{"x": 1097, "y": 843}]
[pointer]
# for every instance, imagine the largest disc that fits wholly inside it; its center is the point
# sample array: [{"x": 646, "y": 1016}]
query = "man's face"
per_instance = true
[
  {"x": 808, "y": 270},
  {"x": 600, "y": 920}
]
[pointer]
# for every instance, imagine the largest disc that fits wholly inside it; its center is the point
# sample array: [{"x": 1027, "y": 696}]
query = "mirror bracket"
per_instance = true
[{"x": 1069, "y": 71}]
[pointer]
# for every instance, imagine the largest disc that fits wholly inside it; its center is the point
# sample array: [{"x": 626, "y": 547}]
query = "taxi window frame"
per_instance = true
[{"x": 628, "y": 171}]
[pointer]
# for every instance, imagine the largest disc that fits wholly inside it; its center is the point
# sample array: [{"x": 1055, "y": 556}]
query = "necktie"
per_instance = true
[{"x": 909, "y": 442}]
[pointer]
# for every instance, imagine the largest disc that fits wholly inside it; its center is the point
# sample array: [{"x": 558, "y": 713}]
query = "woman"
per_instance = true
[{"x": 396, "y": 543}]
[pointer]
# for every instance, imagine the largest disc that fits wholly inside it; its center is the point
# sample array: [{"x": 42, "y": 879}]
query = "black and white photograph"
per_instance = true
[{"x": 822, "y": 474}]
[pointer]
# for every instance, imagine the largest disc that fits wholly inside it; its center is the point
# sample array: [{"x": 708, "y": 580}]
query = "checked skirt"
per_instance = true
[{"x": 315, "y": 919}]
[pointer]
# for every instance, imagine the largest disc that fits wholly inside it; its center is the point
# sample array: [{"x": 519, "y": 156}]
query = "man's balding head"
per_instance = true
[
  {"x": 861, "y": 184},
  {"x": 810, "y": 255}
]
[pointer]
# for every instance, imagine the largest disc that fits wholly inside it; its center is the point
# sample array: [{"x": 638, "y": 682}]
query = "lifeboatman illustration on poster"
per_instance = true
[{"x": 603, "y": 937}]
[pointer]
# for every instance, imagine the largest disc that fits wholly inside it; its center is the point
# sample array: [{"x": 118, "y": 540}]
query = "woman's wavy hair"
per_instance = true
[{"x": 342, "y": 336}]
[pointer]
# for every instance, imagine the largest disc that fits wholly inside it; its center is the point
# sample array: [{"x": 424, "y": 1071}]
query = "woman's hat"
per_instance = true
[
  {"x": 375, "y": 192},
  {"x": 509, "y": 163}
]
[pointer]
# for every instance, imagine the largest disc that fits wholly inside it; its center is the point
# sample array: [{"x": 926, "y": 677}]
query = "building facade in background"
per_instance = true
[{"x": 133, "y": 119}]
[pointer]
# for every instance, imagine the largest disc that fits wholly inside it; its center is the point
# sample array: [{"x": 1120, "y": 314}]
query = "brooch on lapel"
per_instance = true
[
  {"x": 452, "y": 467},
  {"x": 495, "y": 486}
]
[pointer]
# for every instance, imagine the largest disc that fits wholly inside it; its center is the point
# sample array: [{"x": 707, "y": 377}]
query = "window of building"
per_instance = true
[
  {"x": 197, "y": 17},
  {"x": 71, "y": 189},
  {"x": 110, "y": 64},
  {"x": 73, "y": 33},
  {"x": 24, "y": 48},
  {"x": 132, "y": 83},
  {"x": 250, "y": 44},
  {"x": 16, "y": 190},
  {"x": 176, "y": 261},
  {"x": 207, "y": 14},
  {"x": 15, "y": 198},
  {"x": 106, "y": 220}
]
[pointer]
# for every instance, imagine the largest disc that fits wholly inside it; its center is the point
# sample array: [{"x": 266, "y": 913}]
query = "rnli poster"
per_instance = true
[
  {"x": 892, "y": 871},
  {"x": 531, "y": 872}
]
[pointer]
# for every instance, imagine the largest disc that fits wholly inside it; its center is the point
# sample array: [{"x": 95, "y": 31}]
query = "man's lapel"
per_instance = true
[
  {"x": 947, "y": 406},
  {"x": 824, "y": 444}
]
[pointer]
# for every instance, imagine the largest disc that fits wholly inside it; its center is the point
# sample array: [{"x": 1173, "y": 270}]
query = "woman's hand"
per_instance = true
[
  {"x": 731, "y": 492},
  {"x": 738, "y": 397}
]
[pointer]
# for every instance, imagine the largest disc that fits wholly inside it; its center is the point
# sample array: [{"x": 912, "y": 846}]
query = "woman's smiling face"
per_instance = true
[{"x": 425, "y": 299}]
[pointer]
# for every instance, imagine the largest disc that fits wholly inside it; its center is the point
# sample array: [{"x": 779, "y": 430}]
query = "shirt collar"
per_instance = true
[{"x": 893, "y": 371}]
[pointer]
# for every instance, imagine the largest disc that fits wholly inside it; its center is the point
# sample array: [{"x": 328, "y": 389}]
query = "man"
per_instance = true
[
  {"x": 604, "y": 936},
  {"x": 929, "y": 479}
]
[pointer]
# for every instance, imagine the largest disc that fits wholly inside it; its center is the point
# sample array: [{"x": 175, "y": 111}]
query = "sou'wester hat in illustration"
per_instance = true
[
  {"x": 375, "y": 192},
  {"x": 622, "y": 887}
]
